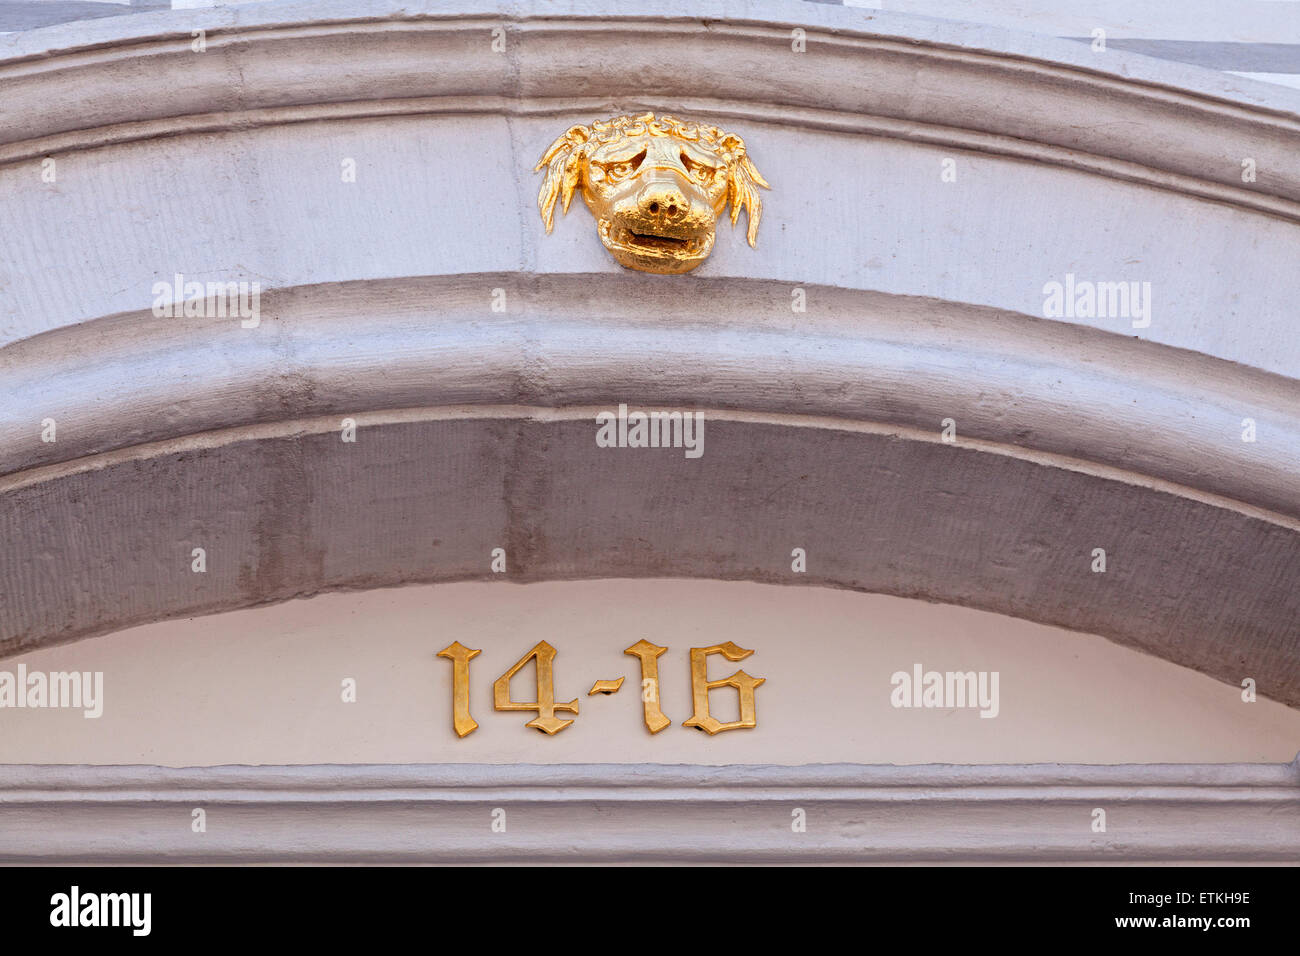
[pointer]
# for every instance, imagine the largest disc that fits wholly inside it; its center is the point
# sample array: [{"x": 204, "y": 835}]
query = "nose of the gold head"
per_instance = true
[{"x": 662, "y": 203}]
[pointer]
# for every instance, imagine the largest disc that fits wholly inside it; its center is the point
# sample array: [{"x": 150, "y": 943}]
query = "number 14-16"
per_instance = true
[{"x": 648, "y": 654}]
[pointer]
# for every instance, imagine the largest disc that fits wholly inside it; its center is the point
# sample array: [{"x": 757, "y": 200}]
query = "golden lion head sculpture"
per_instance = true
[{"x": 656, "y": 186}]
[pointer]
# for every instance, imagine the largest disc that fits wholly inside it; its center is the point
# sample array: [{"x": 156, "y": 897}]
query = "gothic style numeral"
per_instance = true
[
  {"x": 648, "y": 654},
  {"x": 460, "y": 656},
  {"x": 701, "y": 685},
  {"x": 545, "y": 705}
]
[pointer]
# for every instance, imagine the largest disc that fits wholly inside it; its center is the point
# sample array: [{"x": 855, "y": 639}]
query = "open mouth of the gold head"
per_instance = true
[{"x": 645, "y": 242}]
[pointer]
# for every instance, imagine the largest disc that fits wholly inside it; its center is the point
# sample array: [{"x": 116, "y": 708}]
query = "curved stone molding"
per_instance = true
[
  {"x": 1076, "y": 144},
  {"x": 941, "y": 75},
  {"x": 1224, "y": 813},
  {"x": 1013, "y": 385},
  {"x": 288, "y": 509}
]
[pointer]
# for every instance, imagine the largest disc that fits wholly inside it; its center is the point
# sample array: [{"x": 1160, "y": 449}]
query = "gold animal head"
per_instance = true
[{"x": 656, "y": 186}]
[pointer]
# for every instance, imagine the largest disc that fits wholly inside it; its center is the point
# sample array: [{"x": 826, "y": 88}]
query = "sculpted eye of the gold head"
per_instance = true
[
  {"x": 655, "y": 185},
  {"x": 621, "y": 170},
  {"x": 700, "y": 172}
]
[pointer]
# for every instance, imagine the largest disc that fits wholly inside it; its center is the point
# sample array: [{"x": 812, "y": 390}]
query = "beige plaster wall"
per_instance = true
[{"x": 264, "y": 685}]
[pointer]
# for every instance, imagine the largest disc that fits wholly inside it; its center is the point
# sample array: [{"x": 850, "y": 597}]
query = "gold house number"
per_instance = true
[{"x": 546, "y": 707}]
